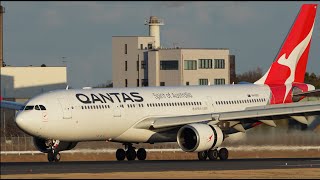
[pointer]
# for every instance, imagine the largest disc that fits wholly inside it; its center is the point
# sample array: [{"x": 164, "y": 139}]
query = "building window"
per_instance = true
[
  {"x": 162, "y": 84},
  {"x": 205, "y": 63},
  {"x": 137, "y": 82},
  {"x": 143, "y": 65},
  {"x": 144, "y": 82},
  {"x": 169, "y": 65},
  {"x": 137, "y": 65},
  {"x": 203, "y": 81},
  {"x": 141, "y": 46},
  {"x": 149, "y": 46},
  {"x": 219, "y": 64},
  {"x": 126, "y": 82},
  {"x": 126, "y": 65},
  {"x": 125, "y": 48},
  {"x": 219, "y": 81},
  {"x": 187, "y": 83},
  {"x": 190, "y": 65}
]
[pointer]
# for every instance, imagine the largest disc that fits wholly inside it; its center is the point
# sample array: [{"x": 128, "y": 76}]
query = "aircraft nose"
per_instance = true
[{"x": 20, "y": 120}]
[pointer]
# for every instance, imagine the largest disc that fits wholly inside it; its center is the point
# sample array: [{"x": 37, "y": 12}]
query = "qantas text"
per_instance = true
[{"x": 109, "y": 97}]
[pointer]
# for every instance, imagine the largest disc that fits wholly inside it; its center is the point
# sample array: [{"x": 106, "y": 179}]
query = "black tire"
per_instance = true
[
  {"x": 223, "y": 154},
  {"x": 213, "y": 154},
  {"x": 50, "y": 156},
  {"x": 141, "y": 154},
  {"x": 120, "y": 154},
  {"x": 57, "y": 157},
  {"x": 131, "y": 154},
  {"x": 202, "y": 156}
]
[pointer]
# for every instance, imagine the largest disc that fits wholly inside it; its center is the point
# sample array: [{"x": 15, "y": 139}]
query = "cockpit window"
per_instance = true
[
  {"x": 28, "y": 108},
  {"x": 37, "y": 107},
  {"x": 42, "y": 107}
]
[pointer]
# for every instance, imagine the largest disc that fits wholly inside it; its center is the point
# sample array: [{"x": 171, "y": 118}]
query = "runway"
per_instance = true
[{"x": 155, "y": 165}]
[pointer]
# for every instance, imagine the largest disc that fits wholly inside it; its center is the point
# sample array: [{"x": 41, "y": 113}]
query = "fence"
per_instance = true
[{"x": 271, "y": 137}]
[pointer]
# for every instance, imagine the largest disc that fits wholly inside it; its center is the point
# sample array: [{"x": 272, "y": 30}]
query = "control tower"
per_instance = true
[
  {"x": 1, "y": 34},
  {"x": 154, "y": 29}
]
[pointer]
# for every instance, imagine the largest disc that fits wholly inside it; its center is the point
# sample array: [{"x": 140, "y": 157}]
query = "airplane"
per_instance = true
[{"x": 198, "y": 118}]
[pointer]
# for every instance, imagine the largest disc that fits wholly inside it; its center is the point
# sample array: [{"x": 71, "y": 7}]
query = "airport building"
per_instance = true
[{"x": 139, "y": 61}]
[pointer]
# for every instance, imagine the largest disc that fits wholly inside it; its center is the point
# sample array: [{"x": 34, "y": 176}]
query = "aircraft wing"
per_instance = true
[
  {"x": 11, "y": 105},
  {"x": 297, "y": 111}
]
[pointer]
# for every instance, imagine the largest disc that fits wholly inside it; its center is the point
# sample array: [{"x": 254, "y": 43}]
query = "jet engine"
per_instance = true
[
  {"x": 199, "y": 137},
  {"x": 45, "y": 147}
]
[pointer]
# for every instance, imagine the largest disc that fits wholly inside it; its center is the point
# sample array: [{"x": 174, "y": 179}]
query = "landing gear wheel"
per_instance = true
[
  {"x": 202, "y": 156},
  {"x": 50, "y": 156},
  {"x": 120, "y": 154},
  {"x": 57, "y": 157},
  {"x": 131, "y": 154},
  {"x": 141, "y": 154},
  {"x": 213, "y": 154},
  {"x": 223, "y": 154}
]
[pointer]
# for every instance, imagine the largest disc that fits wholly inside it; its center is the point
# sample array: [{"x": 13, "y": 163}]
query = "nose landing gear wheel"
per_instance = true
[
  {"x": 120, "y": 154},
  {"x": 223, "y": 154},
  {"x": 213, "y": 154},
  {"x": 50, "y": 156},
  {"x": 57, "y": 157},
  {"x": 202, "y": 156},
  {"x": 141, "y": 154}
]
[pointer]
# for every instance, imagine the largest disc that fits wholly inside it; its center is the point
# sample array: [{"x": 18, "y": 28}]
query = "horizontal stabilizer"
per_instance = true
[
  {"x": 314, "y": 93},
  {"x": 300, "y": 119},
  {"x": 239, "y": 127},
  {"x": 269, "y": 122}
]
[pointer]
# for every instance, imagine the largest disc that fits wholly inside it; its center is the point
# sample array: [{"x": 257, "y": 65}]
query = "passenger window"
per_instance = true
[
  {"x": 42, "y": 107},
  {"x": 37, "y": 108}
]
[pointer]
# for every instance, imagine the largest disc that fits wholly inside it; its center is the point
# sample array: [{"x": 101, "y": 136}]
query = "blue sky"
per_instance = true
[{"x": 44, "y": 32}]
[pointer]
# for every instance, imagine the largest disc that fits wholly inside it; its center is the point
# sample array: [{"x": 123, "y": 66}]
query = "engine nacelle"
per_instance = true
[
  {"x": 41, "y": 145},
  {"x": 199, "y": 137}
]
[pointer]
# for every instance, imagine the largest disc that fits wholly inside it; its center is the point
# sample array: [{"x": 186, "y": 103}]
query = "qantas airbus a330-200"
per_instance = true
[{"x": 188, "y": 115}]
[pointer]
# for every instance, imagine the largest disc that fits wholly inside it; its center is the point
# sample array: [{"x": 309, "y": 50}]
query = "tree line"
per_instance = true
[{"x": 252, "y": 76}]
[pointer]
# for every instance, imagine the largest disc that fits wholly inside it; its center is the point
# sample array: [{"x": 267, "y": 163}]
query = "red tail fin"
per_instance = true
[{"x": 291, "y": 61}]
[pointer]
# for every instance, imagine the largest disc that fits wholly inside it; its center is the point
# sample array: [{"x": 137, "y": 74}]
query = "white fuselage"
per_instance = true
[{"x": 112, "y": 113}]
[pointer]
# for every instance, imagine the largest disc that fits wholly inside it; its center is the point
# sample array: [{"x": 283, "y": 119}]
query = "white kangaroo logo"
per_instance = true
[{"x": 292, "y": 61}]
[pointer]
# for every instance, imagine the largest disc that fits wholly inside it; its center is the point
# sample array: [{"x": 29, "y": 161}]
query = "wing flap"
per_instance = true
[{"x": 163, "y": 122}]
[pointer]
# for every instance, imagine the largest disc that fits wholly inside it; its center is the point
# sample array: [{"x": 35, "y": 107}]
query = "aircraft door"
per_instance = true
[
  {"x": 210, "y": 104},
  {"x": 117, "y": 111},
  {"x": 66, "y": 108}
]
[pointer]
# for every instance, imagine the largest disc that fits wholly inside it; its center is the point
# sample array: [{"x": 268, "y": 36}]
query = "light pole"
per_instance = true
[{"x": 66, "y": 65}]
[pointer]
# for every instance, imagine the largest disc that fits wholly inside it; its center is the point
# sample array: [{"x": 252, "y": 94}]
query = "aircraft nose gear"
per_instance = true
[
  {"x": 53, "y": 155},
  {"x": 213, "y": 154},
  {"x": 130, "y": 153}
]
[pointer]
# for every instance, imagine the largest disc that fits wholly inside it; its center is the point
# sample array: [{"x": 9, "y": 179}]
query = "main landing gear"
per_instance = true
[
  {"x": 214, "y": 154},
  {"x": 131, "y": 153}
]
